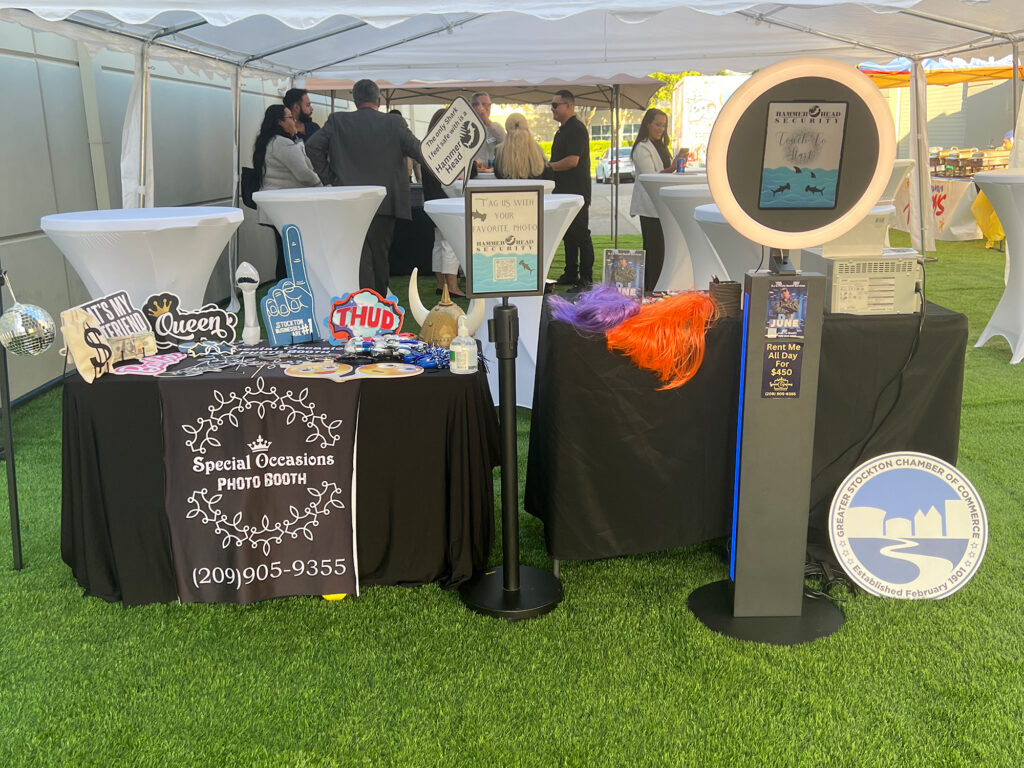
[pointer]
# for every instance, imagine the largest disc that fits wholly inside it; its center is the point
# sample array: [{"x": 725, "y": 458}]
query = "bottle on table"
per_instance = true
[{"x": 463, "y": 350}]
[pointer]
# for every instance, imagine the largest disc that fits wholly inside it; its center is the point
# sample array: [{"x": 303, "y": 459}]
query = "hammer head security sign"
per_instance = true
[{"x": 449, "y": 148}]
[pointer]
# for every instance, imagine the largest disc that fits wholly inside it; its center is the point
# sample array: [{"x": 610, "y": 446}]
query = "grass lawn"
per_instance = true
[{"x": 620, "y": 674}]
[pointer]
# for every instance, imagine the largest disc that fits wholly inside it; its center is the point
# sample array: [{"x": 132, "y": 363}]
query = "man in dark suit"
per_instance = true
[{"x": 369, "y": 147}]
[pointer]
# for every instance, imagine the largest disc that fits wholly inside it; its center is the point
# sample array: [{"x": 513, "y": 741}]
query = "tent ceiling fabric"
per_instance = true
[
  {"x": 305, "y": 14},
  {"x": 480, "y": 40},
  {"x": 634, "y": 92}
]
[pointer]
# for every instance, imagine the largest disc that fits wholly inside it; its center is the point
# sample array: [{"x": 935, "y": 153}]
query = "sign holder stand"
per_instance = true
[{"x": 511, "y": 591}]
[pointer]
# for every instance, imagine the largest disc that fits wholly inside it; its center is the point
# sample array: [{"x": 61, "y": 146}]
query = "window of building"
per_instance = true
[{"x": 604, "y": 132}]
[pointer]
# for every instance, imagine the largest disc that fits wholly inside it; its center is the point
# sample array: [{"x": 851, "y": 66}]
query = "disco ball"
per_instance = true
[{"x": 26, "y": 329}]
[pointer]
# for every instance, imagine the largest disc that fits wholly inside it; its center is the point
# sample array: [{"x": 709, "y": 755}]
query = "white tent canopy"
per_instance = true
[{"x": 484, "y": 41}]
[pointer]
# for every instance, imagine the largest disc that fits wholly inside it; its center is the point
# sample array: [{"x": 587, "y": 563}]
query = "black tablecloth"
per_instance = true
[
  {"x": 618, "y": 468},
  {"x": 424, "y": 503}
]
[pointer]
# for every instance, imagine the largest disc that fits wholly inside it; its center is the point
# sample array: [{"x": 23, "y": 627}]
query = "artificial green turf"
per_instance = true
[{"x": 620, "y": 674}]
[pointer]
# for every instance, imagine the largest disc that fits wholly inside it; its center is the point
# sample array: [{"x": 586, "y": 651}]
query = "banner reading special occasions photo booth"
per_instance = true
[{"x": 259, "y": 478}]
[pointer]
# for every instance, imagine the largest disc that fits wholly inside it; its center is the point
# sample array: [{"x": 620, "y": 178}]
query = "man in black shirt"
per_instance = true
[
  {"x": 570, "y": 169},
  {"x": 297, "y": 100}
]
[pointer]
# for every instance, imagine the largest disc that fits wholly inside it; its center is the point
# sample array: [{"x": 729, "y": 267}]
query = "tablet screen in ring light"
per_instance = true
[{"x": 826, "y": 117}]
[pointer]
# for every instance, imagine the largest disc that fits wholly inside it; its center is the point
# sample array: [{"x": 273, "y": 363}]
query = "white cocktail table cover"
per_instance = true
[
  {"x": 333, "y": 223},
  {"x": 559, "y": 211},
  {"x": 677, "y": 272},
  {"x": 681, "y": 202},
  {"x": 144, "y": 251},
  {"x": 1005, "y": 190}
]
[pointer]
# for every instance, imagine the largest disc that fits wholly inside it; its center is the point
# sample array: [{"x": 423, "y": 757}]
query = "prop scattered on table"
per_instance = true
[
  {"x": 728, "y": 295},
  {"x": 432, "y": 357},
  {"x": 203, "y": 348},
  {"x": 440, "y": 324},
  {"x": 86, "y": 344},
  {"x": 322, "y": 369},
  {"x": 173, "y": 325},
  {"x": 449, "y": 148},
  {"x": 908, "y": 525},
  {"x": 362, "y": 313},
  {"x": 152, "y": 365},
  {"x": 598, "y": 310},
  {"x": 667, "y": 337},
  {"x": 248, "y": 279},
  {"x": 463, "y": 349},
  {"x": 624, "y": 269},
  {"x": 389, "y": 370},
  {"x": 25, "y": 329},
  {"x": 127, "y": 331},
  {"x": 787, "y": 309},
  {"x": 288, "y": 309}
]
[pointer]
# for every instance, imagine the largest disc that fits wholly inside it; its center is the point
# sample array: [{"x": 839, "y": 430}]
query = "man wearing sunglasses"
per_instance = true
[{"x": 570, "y": 169}]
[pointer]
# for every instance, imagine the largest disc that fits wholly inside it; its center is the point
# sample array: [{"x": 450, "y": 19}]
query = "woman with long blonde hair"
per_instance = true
[{"x": 518, "y": 156}]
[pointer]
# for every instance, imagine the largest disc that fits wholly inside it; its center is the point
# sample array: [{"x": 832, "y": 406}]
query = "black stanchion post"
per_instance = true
[{"x": 513, "y": 591}]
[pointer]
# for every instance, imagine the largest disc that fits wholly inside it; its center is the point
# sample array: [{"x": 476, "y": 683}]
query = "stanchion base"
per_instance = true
[
  {"x": 539, "y": 592},
  {"x": 712, "y": 604}
]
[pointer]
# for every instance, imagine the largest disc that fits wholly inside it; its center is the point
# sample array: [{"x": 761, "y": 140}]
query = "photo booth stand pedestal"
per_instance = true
[
  {"x": 764, "y": 601},
  {"x": 512, "y": 591}
]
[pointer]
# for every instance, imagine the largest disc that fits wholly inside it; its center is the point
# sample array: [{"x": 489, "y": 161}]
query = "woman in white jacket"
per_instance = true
[
  {"x": 281, "y": 163},
  {"x": 651, "y": 155}
]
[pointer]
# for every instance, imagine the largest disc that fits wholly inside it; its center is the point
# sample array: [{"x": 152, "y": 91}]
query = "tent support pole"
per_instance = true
[
  {"x": 236, "y": 108},
  {"x": 616, "y": 141},
  {"x": 923, "y": 167},
  {"x": 144, "y": 125},
  {"x": 1016, "y": 89}
]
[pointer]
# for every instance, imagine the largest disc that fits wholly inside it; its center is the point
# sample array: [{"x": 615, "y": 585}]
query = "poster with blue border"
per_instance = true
[
  {"x": 786, "y": 316},
  {"x": 504, "y": 238}
]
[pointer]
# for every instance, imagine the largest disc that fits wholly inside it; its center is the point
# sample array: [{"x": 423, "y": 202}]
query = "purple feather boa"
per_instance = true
[{"x": 598, "y": 310}]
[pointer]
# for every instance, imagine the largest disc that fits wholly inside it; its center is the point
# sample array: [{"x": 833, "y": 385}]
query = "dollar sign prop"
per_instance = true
[
  {"x": 103, "y": 354},
  {"x": 86, "y": 344}
]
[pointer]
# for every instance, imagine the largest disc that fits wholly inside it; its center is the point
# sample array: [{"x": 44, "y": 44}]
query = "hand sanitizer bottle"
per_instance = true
[{"x": 463, "y": 352}]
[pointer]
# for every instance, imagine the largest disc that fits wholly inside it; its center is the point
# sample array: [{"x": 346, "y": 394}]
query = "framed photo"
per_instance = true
[
  {"x": 504, "y": 241},
  {"x": 625, "y": 270}
]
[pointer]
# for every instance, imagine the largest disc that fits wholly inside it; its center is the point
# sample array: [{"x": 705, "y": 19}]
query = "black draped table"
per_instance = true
[
  {"x": 618, "y": 468},
  {"x": 426, "y": 446}
]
